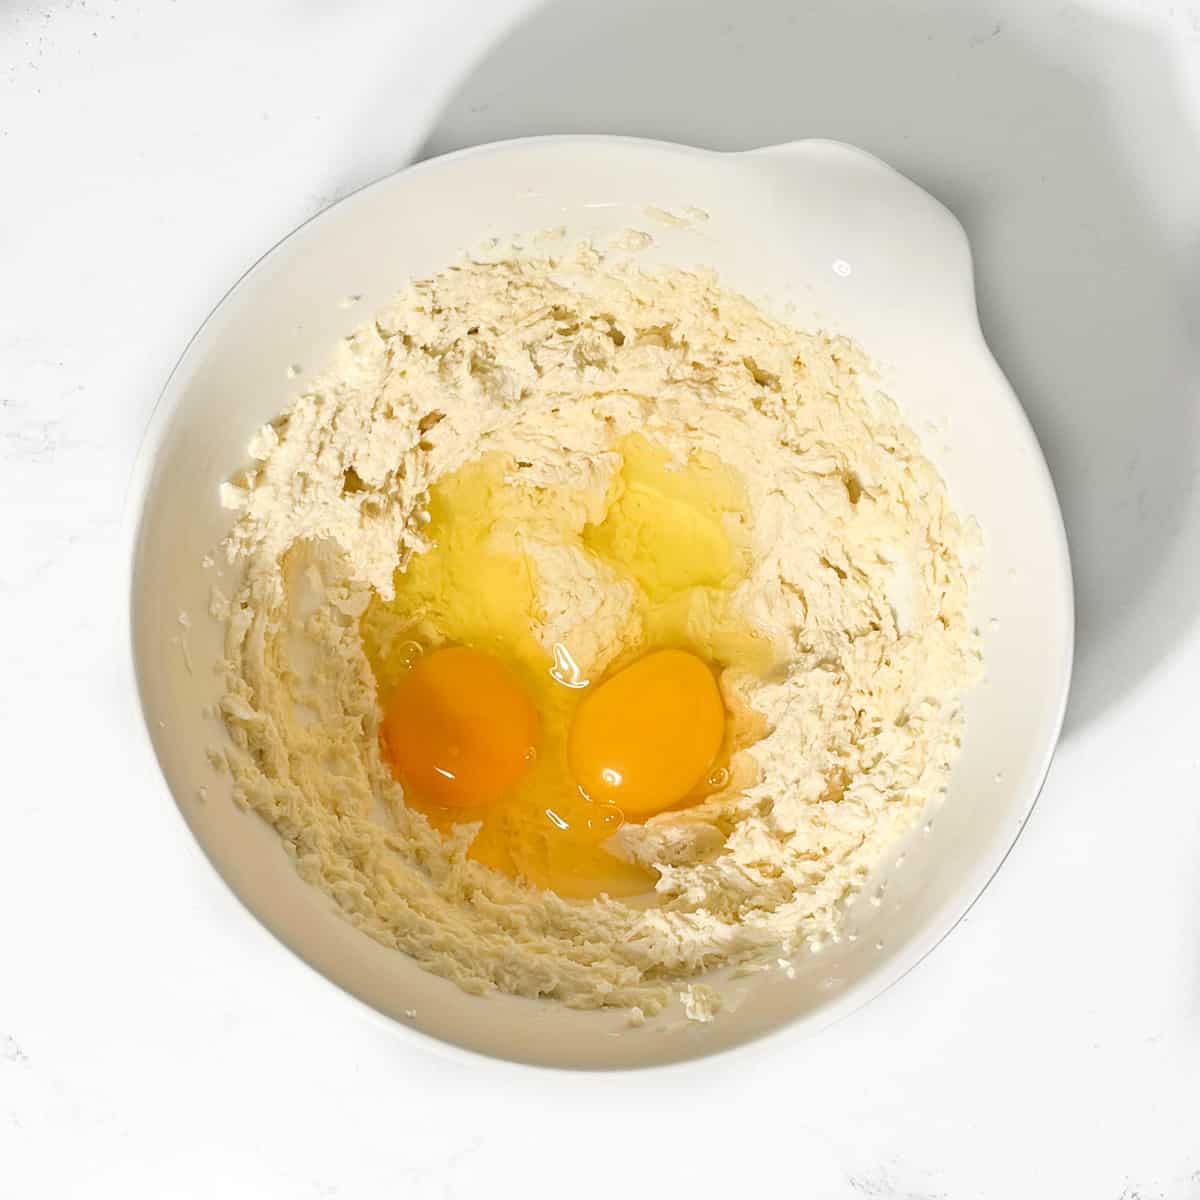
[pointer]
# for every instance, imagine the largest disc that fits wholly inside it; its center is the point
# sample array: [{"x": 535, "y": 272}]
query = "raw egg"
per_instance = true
[
  {"x": 460, "y": 725},
  {"x": 460, "y": 730},
  {"x": 646, "y": 737}
]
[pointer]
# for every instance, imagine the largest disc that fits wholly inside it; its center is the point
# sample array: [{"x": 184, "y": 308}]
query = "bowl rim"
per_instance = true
[{"x": 136, "y": 494}]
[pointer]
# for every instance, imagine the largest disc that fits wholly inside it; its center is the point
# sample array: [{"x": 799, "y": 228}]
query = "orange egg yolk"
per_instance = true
[
  {"x": 460, "y": 730},
  {"x": 645, "y": 739}
]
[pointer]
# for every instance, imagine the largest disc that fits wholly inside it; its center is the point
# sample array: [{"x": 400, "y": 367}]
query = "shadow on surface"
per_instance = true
[{"x": 1058, "y": 139}]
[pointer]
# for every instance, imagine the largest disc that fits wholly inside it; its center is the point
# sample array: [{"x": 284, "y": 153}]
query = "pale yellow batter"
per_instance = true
[{"x": 601, "y": 418}]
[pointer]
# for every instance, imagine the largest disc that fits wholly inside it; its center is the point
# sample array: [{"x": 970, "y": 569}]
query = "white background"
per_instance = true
[{"x": 154, "y": 1042}]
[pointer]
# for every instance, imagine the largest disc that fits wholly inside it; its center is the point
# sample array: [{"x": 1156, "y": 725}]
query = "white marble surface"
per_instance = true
[{"x": 153, "y": 1042}]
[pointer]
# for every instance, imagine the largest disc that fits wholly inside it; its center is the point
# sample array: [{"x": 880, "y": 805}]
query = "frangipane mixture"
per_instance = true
[{"x": 595, "y": 629}]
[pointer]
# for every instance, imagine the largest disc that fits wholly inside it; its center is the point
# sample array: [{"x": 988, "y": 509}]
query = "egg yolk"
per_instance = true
[
  {"x": 460, "y": 730},
  {"x": 644, "y": 739}
]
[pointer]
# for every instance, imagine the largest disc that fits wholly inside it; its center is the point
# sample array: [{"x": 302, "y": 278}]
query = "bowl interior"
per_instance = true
[{"x": 850, "y": 246}]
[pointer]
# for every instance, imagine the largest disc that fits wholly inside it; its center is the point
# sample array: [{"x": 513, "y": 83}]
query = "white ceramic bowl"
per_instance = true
[{"x": 855, "y": 248}]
